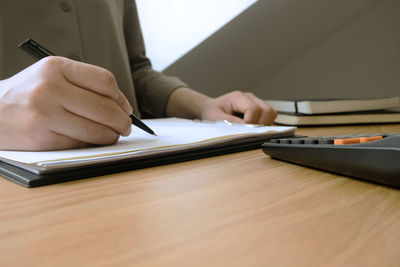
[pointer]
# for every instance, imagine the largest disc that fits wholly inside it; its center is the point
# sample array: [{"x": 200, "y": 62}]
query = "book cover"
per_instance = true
[
  {"x": 362, "y": 117},
  {"x": 323, "y": 106}
]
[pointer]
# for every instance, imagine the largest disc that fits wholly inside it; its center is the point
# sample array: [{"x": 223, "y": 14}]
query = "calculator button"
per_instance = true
[
  {"x": 324, "y": 141},
  {"x": 311, "y": 141},
  {"x": 356, "y": 140},
  {"x": 284, "y": 141},
  {"x": 298, "y": 140},
  {"x": 346, "y": 141},
  {"x": 369, "y": 139}
]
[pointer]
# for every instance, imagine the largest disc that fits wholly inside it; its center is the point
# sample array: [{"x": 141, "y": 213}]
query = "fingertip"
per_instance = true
[
  {"x": 123, "y": 102},
  {"x": 128, "y": 132},
  {"x": 128, "y": 108},
  {"x": 267, "y": 118},
  {"x": 252, "y": 115}
]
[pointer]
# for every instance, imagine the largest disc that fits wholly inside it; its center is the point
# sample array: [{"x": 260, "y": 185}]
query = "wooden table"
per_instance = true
[{"x": 242, "y": 209}]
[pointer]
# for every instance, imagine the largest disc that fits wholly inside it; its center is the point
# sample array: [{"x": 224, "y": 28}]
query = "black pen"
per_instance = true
[{"x": 37, "y": 51}]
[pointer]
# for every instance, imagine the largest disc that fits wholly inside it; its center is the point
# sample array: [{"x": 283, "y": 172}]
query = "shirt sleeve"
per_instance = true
[{"x": 152, "y": 88}]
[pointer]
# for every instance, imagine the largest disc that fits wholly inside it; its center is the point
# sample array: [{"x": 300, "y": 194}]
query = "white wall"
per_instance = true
[
  {"x": 171, "y": 28},
  {"x": 301, "y": 49}
]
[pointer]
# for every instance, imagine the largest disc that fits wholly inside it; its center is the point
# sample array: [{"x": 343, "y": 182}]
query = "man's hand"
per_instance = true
[
  {"x": 238, "y": 107},
  {"x": 59, "y": 103},
  {"x": 235, "y": 107}
]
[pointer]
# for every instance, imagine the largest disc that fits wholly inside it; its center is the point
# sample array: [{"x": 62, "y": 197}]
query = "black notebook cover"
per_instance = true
[{"x": 29, "y": 179}]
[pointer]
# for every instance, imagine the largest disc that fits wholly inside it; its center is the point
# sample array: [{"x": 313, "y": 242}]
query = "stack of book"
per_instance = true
[{"x": 337, "y": 111}]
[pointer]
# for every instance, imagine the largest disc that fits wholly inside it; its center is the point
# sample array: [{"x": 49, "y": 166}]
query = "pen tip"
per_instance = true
[{"x": 155, "y": 134}]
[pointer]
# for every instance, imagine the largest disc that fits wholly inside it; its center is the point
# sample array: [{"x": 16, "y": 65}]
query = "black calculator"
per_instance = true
[{"x": 373, "y": 157}]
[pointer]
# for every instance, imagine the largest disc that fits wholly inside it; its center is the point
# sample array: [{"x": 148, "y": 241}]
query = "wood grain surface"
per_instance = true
[{"x": 242, "y": 209}]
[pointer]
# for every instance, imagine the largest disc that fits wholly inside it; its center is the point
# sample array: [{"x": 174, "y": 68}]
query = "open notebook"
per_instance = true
[{"x": 177, "y": 140}]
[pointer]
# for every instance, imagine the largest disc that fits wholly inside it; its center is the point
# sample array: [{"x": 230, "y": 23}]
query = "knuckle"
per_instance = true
[
  {"x": 106, "y": 108},
  {"x": 44, "y": 92},
  {"x": 237, "y": 93},
  {"x": 41, "y": 91},
  {"x": 249, "y": 94},
  {"x": 107, "y": 78},
  {"x": 51, "y": 62}
]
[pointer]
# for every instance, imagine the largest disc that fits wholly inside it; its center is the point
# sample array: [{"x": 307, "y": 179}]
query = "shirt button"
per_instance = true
[{"x": 65, "y": 6}]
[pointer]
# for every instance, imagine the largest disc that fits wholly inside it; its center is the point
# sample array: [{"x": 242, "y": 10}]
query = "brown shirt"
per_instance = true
[{"x": 105, "y": 33}]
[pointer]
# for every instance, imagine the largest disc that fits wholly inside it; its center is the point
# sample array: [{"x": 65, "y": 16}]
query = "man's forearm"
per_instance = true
[{"x": 186, "y": 103}]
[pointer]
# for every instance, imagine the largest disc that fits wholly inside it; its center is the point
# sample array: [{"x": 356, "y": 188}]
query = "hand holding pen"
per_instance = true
[
  {"x": 58, "y": 103},
  {"x": 39, "y": 52}
]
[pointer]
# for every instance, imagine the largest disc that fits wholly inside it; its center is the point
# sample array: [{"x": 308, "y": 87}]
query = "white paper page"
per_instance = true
[{"x": 171, "y": 132}]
